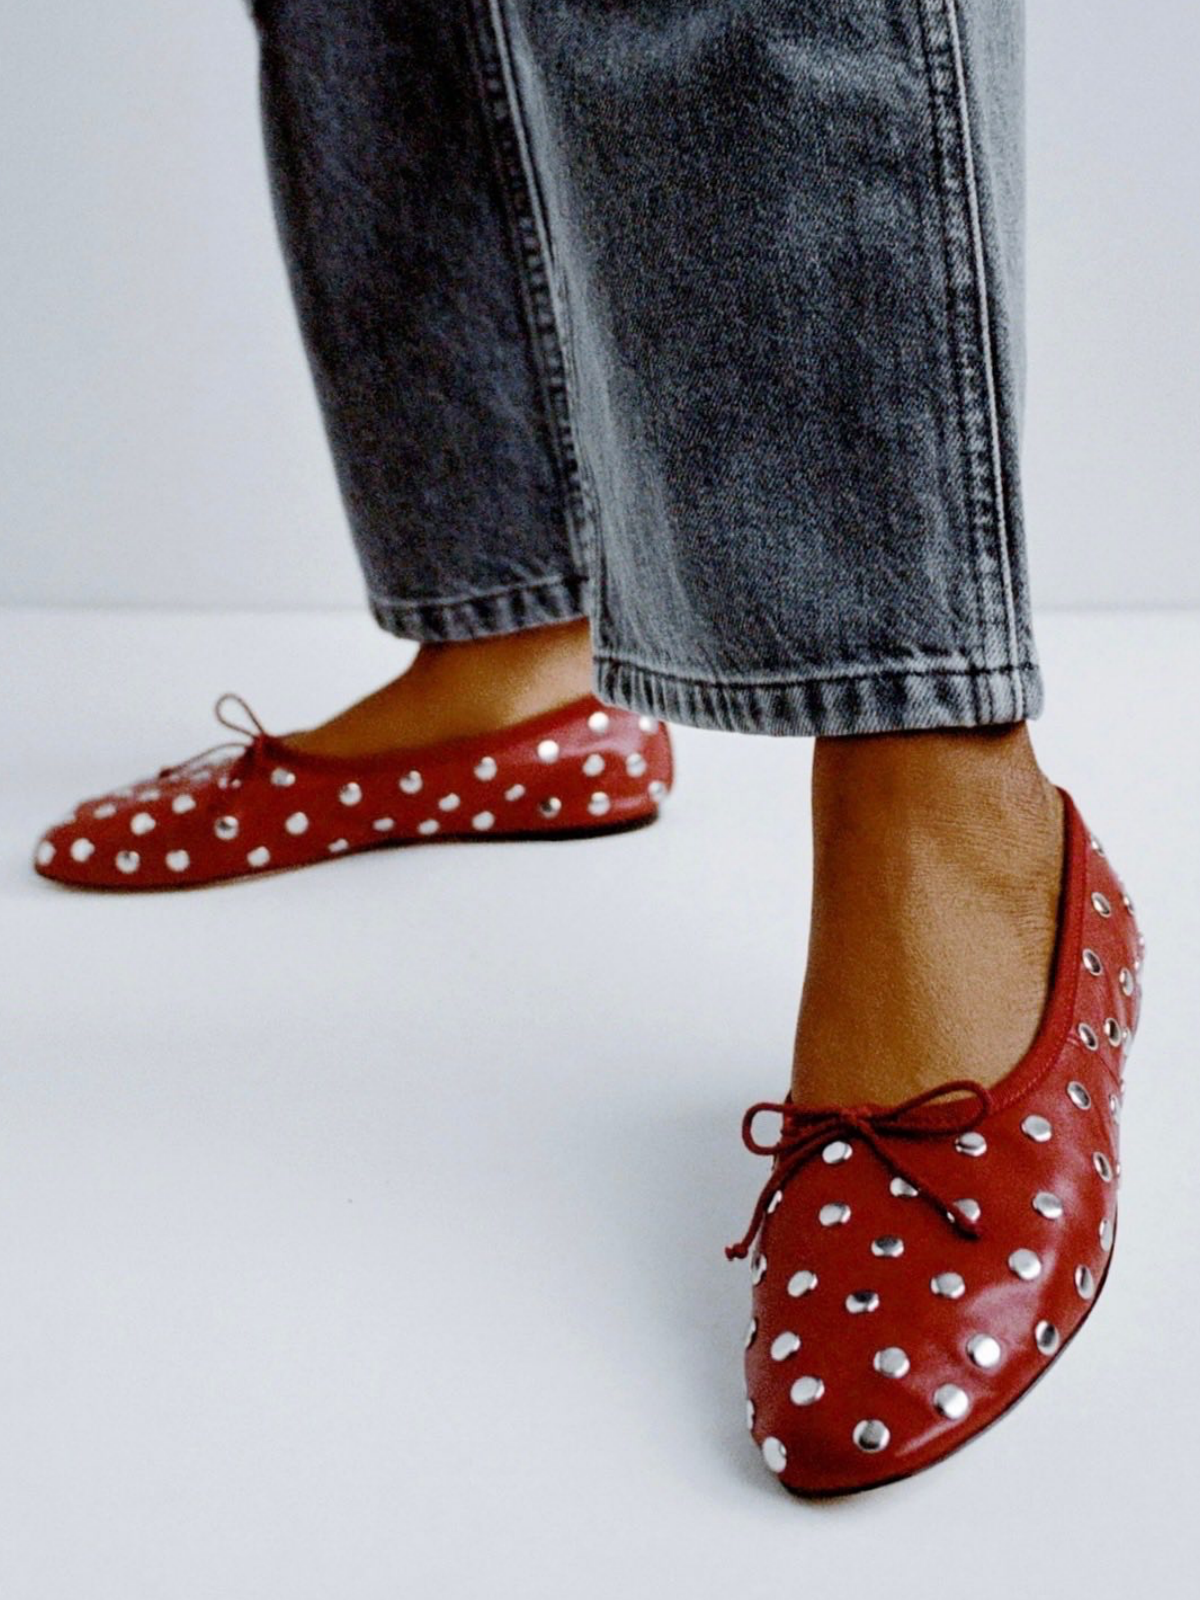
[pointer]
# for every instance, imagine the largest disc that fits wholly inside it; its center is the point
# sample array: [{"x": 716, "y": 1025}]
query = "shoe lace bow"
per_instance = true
[{"x": 806, "y": 1130}]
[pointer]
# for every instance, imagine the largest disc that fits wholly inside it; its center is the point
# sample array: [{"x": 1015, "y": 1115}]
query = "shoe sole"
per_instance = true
[{"x": 513, "y": 836}]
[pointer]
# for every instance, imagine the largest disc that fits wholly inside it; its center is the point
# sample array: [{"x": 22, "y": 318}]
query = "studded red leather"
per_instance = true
[
  {"x": 260, "y": 806},
  {"x": 917, "y": 1268}
]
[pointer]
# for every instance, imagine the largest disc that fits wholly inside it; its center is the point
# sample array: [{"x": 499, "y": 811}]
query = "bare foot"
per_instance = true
[
  {"x": 937, "y": 860},
  {"x": 453, "y": 690}
]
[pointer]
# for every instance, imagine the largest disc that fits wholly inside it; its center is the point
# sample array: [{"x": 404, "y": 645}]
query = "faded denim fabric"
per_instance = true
[{"x": 698, "y": 317}]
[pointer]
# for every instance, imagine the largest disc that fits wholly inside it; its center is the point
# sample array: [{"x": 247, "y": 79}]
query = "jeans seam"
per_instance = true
[
  {"x": 821, "y": 675},
  {"x": 563, "y": 580},
  {"x": 969, "y": 312},
  {"x": 510, "y": 145}
]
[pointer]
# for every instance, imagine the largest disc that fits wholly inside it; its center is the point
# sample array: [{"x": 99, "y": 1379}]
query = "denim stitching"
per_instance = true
[
  {"x": 783, "y": 680},
  {"x": 565, "y": 581},
  {"x": 968, "y": 310},
  {"x": 511, "y": 146},
  {"x": 985, "y": 333}
]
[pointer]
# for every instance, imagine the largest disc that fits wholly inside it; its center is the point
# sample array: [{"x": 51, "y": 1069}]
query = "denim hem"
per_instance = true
[
  {"x": 826, "y": 706},
  {"x": 479, "y": 616}
]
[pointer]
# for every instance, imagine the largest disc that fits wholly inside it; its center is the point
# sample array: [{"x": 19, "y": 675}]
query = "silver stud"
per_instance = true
[
  {"x": 482, "y": 821},
  {"x": 106, "y": 809},
  {"x": 593, "y": 765},
  {"x": 350, "y": 794},
  {"x": 807, "y": 1391},
  {"x": 448, "y": 802},
  {"x": 635, "y": 763},
  {"x": 128, "y": 861},
  {"x": 1095, "y": 844},
  {"x": 430, "y": 825},
  {"x": 750, "y": 1415},
  {"x": 515, "y": 792},
  {"x": 384, "y": 824},
  {"x": 1112, "y": 1031},
  {"x": 547, "y": 750},
  {"x": 984, "y": 1351},
  {"x": 336, "y": 846},
  {"x": 1085, "y": 1283},
  {"x": 774, "y": 1453},
  {"x": 485, "y": 769},
  {"x": 1101, "y": 903},
  {"x": 141, "y": 822},
  {"x": 758, "y": 1268},
  {"x": 550, "y": 807},
  {"x": 1106, "y": 1233},
  {"x": 970, "y": 1209},
  {"x": 839, "y": 1150},
  {"x": 1102, "y": 1165},
  {"x": 182, "y": 803},
  {"x": 751, "y": 1331},
  {"x": 44, "y": 854},
  {"x": 599, "y": 803},
  {"x": 657, "y": 790},
  {"x": 802, "y": 1282},
  {"x": 82, "y": 849},
  {"x": 149, "y": 794},
  {"x": 901, "y": 1189},
  {"x": 410, "y": 783},
  {"x": 887, "y": 1245},
  {"x": 259, "y": 856},
  {"x": 871, "y": 1435},
  {"x": 178, "y": 860},
  {"x": 1093, "y": 963},
  {"x": 282, "y": 778},
  {"x": 1114, "y": 1107},
  {"x": 297, "y": 823},
  {"x": 1046, "y": 1337},
  {"x": 891, "y": 1361},
  {"x": 1078, "y": 1095},
  {"x": 1125, "y": 979},
  {"x": 1127, "y": 902},
  {"x": 226, "y": 827},
  {"x": 598, "y": 722},
  {"x": 1026, "y": 1264},
  {"x": 1088, "y": 1035},
  {"x": 950, "y": 1285},
  {"x": 1047, "y": 1205},
  {"x": 970, "y": 1144},
  {"x": 834, "y": 1213},
  {"x": 952, "y": 1402},
  {"x": 862, "y": 1300},
  {"x": 647, "y": 724},
  {"x": 1037, "y": 1128},
  {"x": 775, "y": 1201},
  {"x": 784, "y": 1345}
]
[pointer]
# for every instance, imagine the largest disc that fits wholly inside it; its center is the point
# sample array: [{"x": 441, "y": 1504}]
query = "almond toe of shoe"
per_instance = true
[
  {"x": 845, "y": 1448},
  {"x": 89, "y": 851}
]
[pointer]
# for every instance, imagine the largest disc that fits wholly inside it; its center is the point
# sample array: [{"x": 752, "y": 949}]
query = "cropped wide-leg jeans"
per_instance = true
[{"x": 698, "y": 318}]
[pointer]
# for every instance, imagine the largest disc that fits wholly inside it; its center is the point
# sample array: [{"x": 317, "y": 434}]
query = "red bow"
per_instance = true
[
  {"x": 256, "y": 736},
  {"x": 807, "y": 1129}
]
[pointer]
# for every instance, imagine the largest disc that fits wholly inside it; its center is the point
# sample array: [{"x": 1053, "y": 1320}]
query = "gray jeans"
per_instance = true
[{"x": 700, "y": 318}]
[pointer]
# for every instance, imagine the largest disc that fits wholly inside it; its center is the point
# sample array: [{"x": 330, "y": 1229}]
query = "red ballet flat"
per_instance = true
[
  {"x": 917, "y": 1268},
  {"x": 246, "y": 808}
]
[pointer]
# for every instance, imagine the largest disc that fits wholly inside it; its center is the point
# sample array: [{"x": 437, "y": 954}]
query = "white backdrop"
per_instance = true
[{"x": 160, "y": 444}]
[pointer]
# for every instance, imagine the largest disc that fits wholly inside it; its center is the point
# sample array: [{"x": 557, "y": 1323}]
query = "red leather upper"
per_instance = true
[
  {"x": 263, "y": 806},
  {"x": 830, "y": 1295}
]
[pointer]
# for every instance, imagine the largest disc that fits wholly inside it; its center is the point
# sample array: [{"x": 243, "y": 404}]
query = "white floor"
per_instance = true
[{"x": 360, "y": 1229}]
